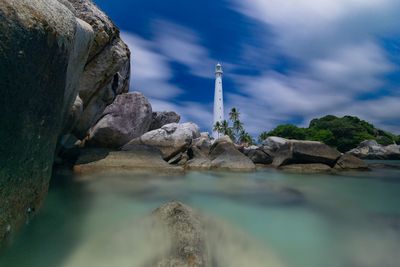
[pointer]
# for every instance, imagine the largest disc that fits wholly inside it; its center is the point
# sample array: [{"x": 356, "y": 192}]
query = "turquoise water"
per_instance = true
[{"x": 271, "y": 219}]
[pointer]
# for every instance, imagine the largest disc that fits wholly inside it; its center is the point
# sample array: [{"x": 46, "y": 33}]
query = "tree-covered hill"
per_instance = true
[{"x": 343, "y": 133}]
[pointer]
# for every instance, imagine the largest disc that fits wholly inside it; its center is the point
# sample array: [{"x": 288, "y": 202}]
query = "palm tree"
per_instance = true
[
  {"x": 234, "y": 115},
  {"x": 263, "y": 136},
  {"x": 218, "y": 127},
  {"x": 237, "y": 127},
  {"x": 245, "y": 138}
]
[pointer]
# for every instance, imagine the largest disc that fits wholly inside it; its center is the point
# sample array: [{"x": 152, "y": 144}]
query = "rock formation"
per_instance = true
[
  {"x": 43, "y": 51},
  {"x": 163, "y": 118},
  {"x": 171, "y": 139},
  {"x": 128, "y": 117},
  {"x": 370, "y": 149}
]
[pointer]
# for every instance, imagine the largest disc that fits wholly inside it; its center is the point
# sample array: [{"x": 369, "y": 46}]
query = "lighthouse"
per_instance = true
[{"x": 218, "y": 98}]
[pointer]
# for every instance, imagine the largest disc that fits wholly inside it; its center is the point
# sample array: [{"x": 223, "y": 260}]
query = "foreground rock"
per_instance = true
[
  {"x": 350, "y": 162},
  {"x": 370, "y": 149},
  {"x": 128, "y": 117},
  {"x": 171, "y": 139},
  {"x": 188, "y": 245},
  {"x": 140, "y": 158},
  {"x": 225, "y": 156},
  {"x": 41, "y": 50},
  {"x": 159, "y": 119},
  {"x": 107, "y": 70}
]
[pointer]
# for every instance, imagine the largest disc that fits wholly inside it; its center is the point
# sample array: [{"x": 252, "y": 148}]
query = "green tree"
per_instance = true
[
  {"x": 234, "y": 114},
  {"x": 263, "y": 136}
]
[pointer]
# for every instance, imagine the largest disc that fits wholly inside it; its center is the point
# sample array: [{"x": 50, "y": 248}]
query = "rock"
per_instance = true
[
  {"x": 350, "y": 162},
  {"x": 257, "y": 155},
  {"x": 163, "y": 118},
  {"x": 203, "y": 143},
  {"x": 140, "y": 158},
  {"x": 185, "y": 230},
  {"x": 295, "y": 151},
  {"x": 199, "y": 160},
  {"x": 370, "y": 149},
  {"x": 307, "y": 168},
  {"x": 105, "y": 77},
  {"x": 107, "y": 71},
  {"x": 273, "y": 143},
  {"x": 41, "y": 43},
  {"x": 225, "y": 156},
  {"x": 128, "y": 117},
  {"x": 171, "y": 139}
]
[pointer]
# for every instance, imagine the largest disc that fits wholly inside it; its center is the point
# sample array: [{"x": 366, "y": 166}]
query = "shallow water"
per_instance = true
[{"x": 268, "y": 218}]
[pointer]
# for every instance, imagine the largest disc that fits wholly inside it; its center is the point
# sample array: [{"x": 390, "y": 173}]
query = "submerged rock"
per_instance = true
[
  {"x": 171, "y": 139},
  {"x": 186, "y": 231},
  {"x": 42, "y": 52},
  {"x": 159, "y": 119},
  {"x": 128, "y": 117}
]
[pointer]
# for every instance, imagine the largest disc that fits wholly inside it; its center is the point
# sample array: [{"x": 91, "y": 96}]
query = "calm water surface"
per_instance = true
[{"x": 346, "y": 220}]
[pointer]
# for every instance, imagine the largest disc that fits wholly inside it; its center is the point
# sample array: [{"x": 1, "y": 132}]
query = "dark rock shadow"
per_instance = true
[{"x": 49, "y": 238}]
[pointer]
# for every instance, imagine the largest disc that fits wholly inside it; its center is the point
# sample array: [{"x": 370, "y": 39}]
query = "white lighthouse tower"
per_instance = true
[{"x": 218, "y": 98}]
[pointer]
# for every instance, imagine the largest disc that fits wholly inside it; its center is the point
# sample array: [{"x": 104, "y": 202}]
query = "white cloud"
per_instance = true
[
  {"x": 334, "y": 45},
  {"x": 150, "y": 72}
]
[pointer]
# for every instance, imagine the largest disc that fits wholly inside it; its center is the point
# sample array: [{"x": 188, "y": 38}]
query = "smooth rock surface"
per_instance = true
[
  {"x": 258, "y": 155},
  {"x": 307, "y": 168},
  {"x": 199, "y": 160},
  {"x": 225, "y": 156},
  {"x": 303, "y": 152},
  {"x": 160, "y": 119},
  {"x": 40, "y": 45},
  {"x": 128, "y": 117},
  {"x": 171, "y": 139},
  {"x": 139, "y": 158},
  {"x": 350, "y": 162}
]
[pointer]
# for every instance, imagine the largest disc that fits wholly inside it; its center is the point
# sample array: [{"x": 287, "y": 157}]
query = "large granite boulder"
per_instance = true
[
  {"x": 370, "y": 149},
  {"x": 273, "y": 143},
  {"x": 350, "y": 162},
  {"x": 198, "y": 159},
  {"x": 225, "y": 156},
  {"x": 160, "y": 119},
  {"x": 304, "y": 152},
  {"x": 171, "y": 139},
  {"x": 258, "y": 155},
  {"x": 186, "y": 233},
  {"x": 107, "y": 71},
  {"x": 43, "y": 49},
  {"x": 139, "y": 158},
  {"x": 128, "y": 117}
]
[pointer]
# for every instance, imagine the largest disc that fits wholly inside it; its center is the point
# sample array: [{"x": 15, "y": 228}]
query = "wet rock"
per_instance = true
[
  {"x": 188, "y": 245},
  {"x": 307, "y": 168},
  {"x": 171, "y": 139},
  {"x": 160, "y": 119},
  {"x": 139, "y": 158},
  {"x": 350, "y": 162},
  {"x": 225, "y": 156},
  {"x": 128, "y": 117},
  {"x": 198, "y": 160},
  {"x": 41, "y": 47}
]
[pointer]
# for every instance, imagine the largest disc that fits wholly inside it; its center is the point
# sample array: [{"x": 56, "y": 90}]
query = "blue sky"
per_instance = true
[{"x": 285, "y": 61}]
